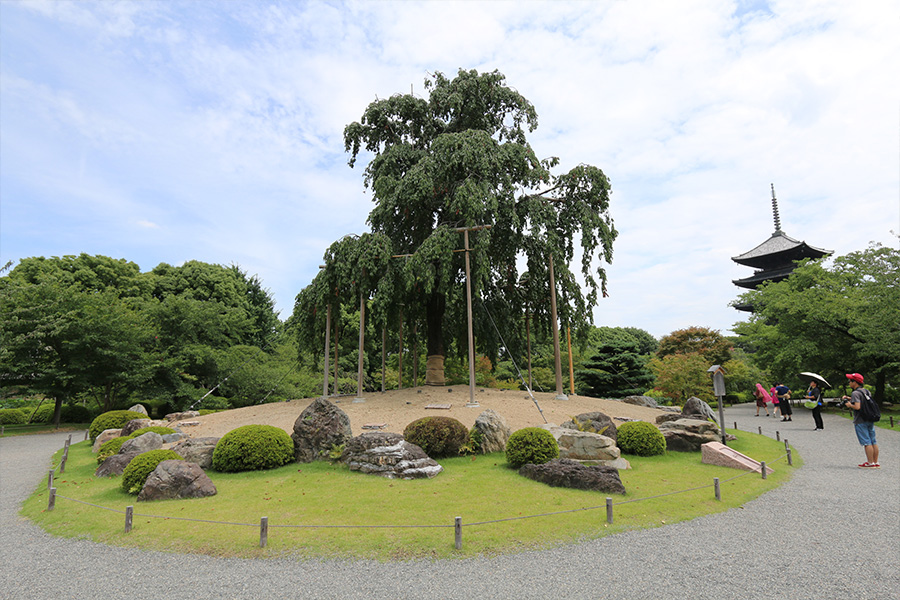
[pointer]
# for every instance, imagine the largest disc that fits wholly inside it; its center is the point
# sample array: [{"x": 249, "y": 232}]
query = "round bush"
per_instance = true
[
  {"x": 110, "y": 447},
  {"x": 253, "y": 448},
  {"x": 12, "y": 416},
  {"x": 138, "y": 470},
  {"x": 641, "y": 439},
  {"x": 43, "y": 413},
  {"x": 113, "y": 419},
  {"x": 75, "y": 413},
  {"x": 531, "y": 445},
  {"x": 437, "y": 436}
]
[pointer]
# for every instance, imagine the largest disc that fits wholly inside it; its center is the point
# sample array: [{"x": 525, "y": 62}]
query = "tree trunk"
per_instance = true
[{"x": 435, "y": 306}]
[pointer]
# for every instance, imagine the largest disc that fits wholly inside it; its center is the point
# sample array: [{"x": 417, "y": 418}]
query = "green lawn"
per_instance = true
[
  {"x": 333, "y": 502},
  {"x": 884, "y": 423},
  {"x": 31, "y": 429}
]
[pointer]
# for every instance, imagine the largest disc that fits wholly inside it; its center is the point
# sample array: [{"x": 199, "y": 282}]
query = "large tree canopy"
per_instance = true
[
  {"x": 833, "y": 321},
  {"x": 461, "y": 159}
]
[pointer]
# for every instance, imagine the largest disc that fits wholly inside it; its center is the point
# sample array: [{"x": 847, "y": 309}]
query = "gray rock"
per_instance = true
[
  {"x": 171, "y": 438},
  {"x": 593, "y": 422},
  {"x": 139, "y": 408},
  {"x": 669, "y": 417},
  {"x": 563, "y": 472},
  {"x": 688, "y": 435},
  {"x": 641, "y": 401},
  {"x": 388, "y": 455},
  {"x": 584, "y": 445},
  {"x": 114, "y": 465},
  {"x": 179, "y": 416},
  {"x": 319, "y": 428},
  {"x": 142, "y": 443},
  {"x": 105, "y": 436},
  {"x": 135, "y": 424},
  {"x": 495, "y": 431},
  {"x": 197, "y": 450},
  {"x": 695, "y": 408},
  {"x": 176, "y": 479}
]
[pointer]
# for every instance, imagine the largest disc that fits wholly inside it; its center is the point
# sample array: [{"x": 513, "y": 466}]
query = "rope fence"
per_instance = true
[{"x": 457, "y": 524}]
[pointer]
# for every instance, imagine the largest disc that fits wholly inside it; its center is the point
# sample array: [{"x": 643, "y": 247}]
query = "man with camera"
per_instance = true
[{"x": 865, "y": 430}]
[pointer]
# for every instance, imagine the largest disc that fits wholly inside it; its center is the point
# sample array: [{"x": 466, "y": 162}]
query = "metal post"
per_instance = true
[
  {"x": 263, "y": 532},
  {"x": 609, "y": 510},
  {"x": 457, "y": 528},
  {"x": 718, "y": 491},
  {"x": 51, "y": 503},
  {"x": 129, "y": 518},
  {"x": 763, "y": 469}
]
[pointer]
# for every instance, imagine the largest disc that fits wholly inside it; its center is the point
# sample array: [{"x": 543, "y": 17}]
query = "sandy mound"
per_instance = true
[{"x": 397, "y": 408}]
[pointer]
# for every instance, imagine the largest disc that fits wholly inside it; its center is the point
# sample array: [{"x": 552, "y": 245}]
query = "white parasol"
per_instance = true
[{"x": 815, "y": 377}]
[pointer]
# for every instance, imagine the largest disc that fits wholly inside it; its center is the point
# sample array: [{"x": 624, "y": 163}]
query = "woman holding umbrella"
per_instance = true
[
  {"x": 762, "y": 396},
  {"x": 814, "y": 394}
]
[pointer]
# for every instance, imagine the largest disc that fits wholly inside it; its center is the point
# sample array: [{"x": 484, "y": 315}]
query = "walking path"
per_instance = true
[{"x": 833, "y": 531}]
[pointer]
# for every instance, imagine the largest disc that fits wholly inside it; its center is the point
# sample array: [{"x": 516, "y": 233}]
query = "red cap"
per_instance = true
[{"x": 855, "y": 377}]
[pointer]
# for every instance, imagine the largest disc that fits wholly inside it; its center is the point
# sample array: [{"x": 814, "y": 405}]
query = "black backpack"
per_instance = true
[{"x": 868, "y": 408}]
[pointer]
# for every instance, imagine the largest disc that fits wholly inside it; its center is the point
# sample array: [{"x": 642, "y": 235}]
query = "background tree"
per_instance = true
[
  {"x": 616, "y": 370},
  {"x": 709, "y": 343},
  {"x": 460, "y": 158},
  {"x": 831, "y": 320},
  {"x": 682, "y": 375}
]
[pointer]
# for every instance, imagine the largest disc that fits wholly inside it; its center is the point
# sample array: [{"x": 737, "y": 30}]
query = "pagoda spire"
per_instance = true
[{"x": 775, "y": 210}]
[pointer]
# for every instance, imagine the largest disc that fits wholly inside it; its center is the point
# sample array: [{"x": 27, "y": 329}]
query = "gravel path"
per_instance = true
[{"x": 833, "y": 531}]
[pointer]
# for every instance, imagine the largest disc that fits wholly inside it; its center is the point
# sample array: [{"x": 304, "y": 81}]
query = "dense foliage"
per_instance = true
[
  {"x": 439, "y": 437},
  {"x": 640, "y": 439},
  {"x": 531, "y": 445},
  {"x": 138, "y": 470},
  {"x": 617, "y": 369},
  {"x": 253, "y": 448}
]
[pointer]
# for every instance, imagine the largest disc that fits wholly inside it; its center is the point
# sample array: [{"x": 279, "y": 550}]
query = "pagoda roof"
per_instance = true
[
  {"x": 759, "y": 277},
  {"x": 779, "y": 249}
]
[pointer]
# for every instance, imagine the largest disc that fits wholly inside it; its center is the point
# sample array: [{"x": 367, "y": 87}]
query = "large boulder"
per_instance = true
[
  {"x": 139, "y": 408},
  {"x": 197, "y": 450},
  {"x": 587, "y": 448},
  {"x": 665, "y": 418},
  {"x": 389, "y": 455},
  {"x": 641, "y": 401},
  {"x": 319, "y": 428},
  {"x": 688, "y": 435},
  {"x": 142, "y": 443},
  {"x": 135, "y": 424},
  {"x": 114, "y": 465},
  {"x": 105, "y": 436},
  {"x": 695, "y": 408},
  {"x": 593, "y": 422},
  {"x": 175, "y": 479},
  {"x": 494, "y": 431},
  {"x": 563, "y": 472}
]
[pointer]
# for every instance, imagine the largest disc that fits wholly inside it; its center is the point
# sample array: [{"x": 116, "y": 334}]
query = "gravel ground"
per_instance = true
[{"x": 833, "y": 531}]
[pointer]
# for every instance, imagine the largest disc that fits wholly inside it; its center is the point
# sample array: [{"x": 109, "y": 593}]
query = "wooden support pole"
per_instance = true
[
  {"x": 469, "y": 312},
  {"x": 609, "y": 510},
  {"x": 327, "y": 351},
  {"x": 62, "y": 465},
  {"x": 129, "y": 518},
  {"x": 718, "y": 490},
  {"x": 383, "y": 356},
  {"x": 51, "y": 502},
  {"x": 571, "y": 367},
  {"x": 557, "y": 360},
  {"x": 790, "y": 459},
  {"x": 263, "y": 532},
  {"x": 416, "y": 355},
  {"x": 777, "y": 436},
  {"x": 528, "y": 340},
  {"x": 457, "y": 528},
  {"x": 50, "y": 479},
  {"x": 762, "y": 468},
  {"x": 362, "y": 340},
  {"x": 400, "y": 356},
  {"x": 760, "y": 430}
]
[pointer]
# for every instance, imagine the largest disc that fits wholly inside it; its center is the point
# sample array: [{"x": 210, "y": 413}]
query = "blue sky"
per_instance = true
[{"x": 170, "y": 131}]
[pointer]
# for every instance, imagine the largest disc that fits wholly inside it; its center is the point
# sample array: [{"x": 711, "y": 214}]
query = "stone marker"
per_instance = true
[{"x": 716, "y": 453}]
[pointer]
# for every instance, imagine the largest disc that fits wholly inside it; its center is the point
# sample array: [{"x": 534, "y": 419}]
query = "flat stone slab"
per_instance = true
[
  {"x": 716, "y": 453},
  {"x": 438, "y": 406},
  {"x": 374, "y": 426}
]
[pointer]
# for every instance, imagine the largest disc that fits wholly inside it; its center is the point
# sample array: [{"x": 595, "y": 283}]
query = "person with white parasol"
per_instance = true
[{"x": 814, "y": 397}]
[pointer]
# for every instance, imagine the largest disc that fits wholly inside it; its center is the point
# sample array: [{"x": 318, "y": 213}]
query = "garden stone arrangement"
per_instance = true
[
  {"x": 319, "y": 428},
  {"x": 389, "y": 455}
]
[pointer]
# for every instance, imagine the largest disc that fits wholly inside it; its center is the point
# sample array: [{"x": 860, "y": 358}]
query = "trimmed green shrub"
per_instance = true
[
  {"x": 114, "y": 419},
  {"x": 437, "y": 436},
  {"x": 75, "y": 413},
  {"x": 12, "y": 416},
  {"x": 138, "y": 470},
  {"x": 110, "y": 447},
  {"x": 640, "y": 439},
  {"x": 253, "y": 448},
  {"x": 42, "y": 414},
  {"x": 531, "y": 445}
]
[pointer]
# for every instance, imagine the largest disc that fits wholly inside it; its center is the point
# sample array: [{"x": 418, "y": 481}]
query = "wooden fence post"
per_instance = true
[
  {"x": 760, "y": 430},
  {"x": 86, "y": 433},
  {"x": 263, "y": 532},
  {"x": 62, "y": 465},
  {"x": 51, "y": 503},
  {"x": 129, "y": 518},
  {"x": 609, "y": 510},
  {"x": 762, "y": 466},
  {"x": 718, "y": 491},
  {"x": 50, "y": 479},
  {"x": 777, "y": 436},
  {"x": 790, "y": 459},
  {"x": 457, "y": 529}
]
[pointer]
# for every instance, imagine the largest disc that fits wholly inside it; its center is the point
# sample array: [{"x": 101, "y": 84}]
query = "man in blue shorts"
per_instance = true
[{"x": 865, "y": 430}]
